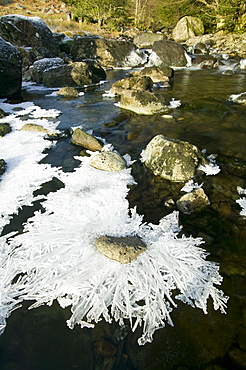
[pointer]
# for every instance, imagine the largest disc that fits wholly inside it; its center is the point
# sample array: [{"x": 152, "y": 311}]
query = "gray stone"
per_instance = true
[
  {"x": 170, "y": 53},
  {"x": 108, "y": 161},
  {"x": 173, "y": 160},
  {"x": 141, "y": 102},
  {"x": 109, "y": 53},
  {"x": 81, "y": 138},
  {"x": 42, "y": 65},
  {"x": 121, "y": 249},
  {"x": 187, "y": 27},
  {"x": 74, "y": 74},
  {"x": 4, "y": 129},
  {"x": 3, "y": 166},
  {"x": 194, "y": 201},
  {"x": 10, "y": 70},
  {"x": 132, "y": 83},
  {"x": 147, "y": 39}
]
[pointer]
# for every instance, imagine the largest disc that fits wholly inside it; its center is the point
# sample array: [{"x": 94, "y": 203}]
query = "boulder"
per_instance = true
[
  {"x": 3, "y": 166},
  {"x": 4, "y": 129},
  {"x": 187, "y": 27},
  {"x": 10, "y": 70},
  {"x": 156, "y": 73},
  {"x": 173, "y": 160},
  {"x": 109, "y": 53},
  {"x": 194, "y": 201},
  {"x": 142, "y": 102},
  {"x": 34, "y": 128},
  {"x": 69, "y": 92},
  {"x": 74, "y": 74},
  {"x": 108, "y": 161},
  {"x": 145, "y": 40},
  {"x": 81, "y": 138},
  {"x": 121, "y": 249},
  {"x": 132, "y": 83},
  {"x": 32, "y": 32},
  {"x": 41, "y": 65},
  {"x": 170, "y": 53}
]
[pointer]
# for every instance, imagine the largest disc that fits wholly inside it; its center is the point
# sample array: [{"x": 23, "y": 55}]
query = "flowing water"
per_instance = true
[{"x": 40, "y": 340}]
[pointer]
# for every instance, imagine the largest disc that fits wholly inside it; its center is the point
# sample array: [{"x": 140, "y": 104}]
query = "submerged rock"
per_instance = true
[
  {"x": 69, "y": 92},
  {"x": 194, "y": 201},
  {"x": 173, "y": 160},
  {"x": 108, "y": 161},
  {"x": 82, "y": 138},
  {"x": 121, "y": 249}
]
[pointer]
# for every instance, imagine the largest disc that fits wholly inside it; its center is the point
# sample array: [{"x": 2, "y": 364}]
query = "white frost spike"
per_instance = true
[
  {"x": 58, "y": 258},
  {"x": 242, "y": 201},
  {"x": 212, "y": 168}
]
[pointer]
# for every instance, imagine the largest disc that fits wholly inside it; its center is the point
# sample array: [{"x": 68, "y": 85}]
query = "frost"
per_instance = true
[
  {"x": 242, "y": 201},
  {"x": 212, "y": 168},
  {"x": 191, "y": 185},
  {"x": 56, "y": 258},
  {"x": 238, "y": 98},
  {"x": 108, "y": 94},
  {"x": 135, "y": 58},
  {"x": 174, "y": 104}
]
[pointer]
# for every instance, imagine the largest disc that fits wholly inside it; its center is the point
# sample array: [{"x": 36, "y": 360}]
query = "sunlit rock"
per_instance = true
[
  {"x": 33, "y": 127},
  {"x": 156, "y": 73},
  {"x": 121, "y": 249},
  {"x": 142, "y": 102},
  {"x": 74, "y": 74},
  {"x": 187, "y": 27},
  {"x": 11, "y": 70},
  {"x": 82, "y": 138},
  {"x": 69, "y": 92},
  {"x": 146, "y": 39},
  {"x": 194, "y": 201},
  {"x": 173, "y": 160},
  {"x": 132, "y": 83},
  {"x": 108, "y": 161}
]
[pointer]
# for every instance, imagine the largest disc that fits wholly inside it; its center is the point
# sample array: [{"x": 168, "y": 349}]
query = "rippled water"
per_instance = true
[{"x": 40, "y": 340}]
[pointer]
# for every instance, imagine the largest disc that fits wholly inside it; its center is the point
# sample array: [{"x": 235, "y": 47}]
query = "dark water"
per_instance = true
[{"x": 40, "y": 340}]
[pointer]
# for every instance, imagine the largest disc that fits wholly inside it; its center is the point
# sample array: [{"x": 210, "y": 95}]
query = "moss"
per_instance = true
[{"x": 4, "y": 128}]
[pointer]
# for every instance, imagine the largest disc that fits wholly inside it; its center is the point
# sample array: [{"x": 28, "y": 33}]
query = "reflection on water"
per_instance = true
[{"x": 40, "y": 340}]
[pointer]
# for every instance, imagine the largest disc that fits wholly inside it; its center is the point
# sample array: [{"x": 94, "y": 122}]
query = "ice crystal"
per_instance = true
[
  {"x": 242, "y": 201},
  {"x": 58, "y": 259}
]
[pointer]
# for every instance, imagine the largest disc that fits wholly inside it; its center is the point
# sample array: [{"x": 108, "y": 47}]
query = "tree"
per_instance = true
[{"x": 98, "y": 10}]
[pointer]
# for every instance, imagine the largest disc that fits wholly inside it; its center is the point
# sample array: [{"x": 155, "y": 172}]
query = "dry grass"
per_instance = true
[{"x": 53, "y": 12}]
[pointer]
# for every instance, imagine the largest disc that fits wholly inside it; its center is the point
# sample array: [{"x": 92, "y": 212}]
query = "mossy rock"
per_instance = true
[
  {"x": 4, "y": 128},
  {"x": 3, "y": 166},
  {"x": 2, "y": 113}
]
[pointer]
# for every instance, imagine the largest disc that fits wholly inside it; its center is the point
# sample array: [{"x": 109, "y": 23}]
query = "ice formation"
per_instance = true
[
  {"x": 56, "y": 259},
  {"x": 211, "y": 168},
  {"x": 242, "y": 201}
]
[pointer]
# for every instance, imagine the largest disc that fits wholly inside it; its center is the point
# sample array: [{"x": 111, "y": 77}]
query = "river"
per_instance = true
[{"x": 39, "y": 339}]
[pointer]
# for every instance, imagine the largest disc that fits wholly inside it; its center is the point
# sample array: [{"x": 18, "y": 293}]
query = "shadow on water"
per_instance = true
[{"x": 40, "y": 340}]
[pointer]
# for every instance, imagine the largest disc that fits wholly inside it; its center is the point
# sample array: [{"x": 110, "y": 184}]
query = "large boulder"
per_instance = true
[
  {"x": 10, "y": 70},
  {"x": 170, "y": 53},
  {"x": 109, "y": 53},
  {"x": 173, "y": 160},
  {"x": 39, "y": 66},
  {"x": 187, "y": 27},
  {"x": 32, "y": 32},
  {"x": 147, "y": 39},
  {"x": 74, "y": 74}
]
